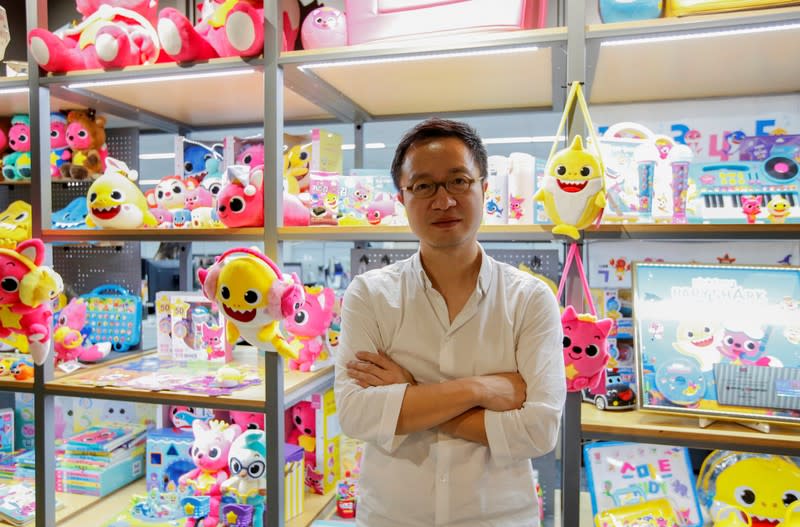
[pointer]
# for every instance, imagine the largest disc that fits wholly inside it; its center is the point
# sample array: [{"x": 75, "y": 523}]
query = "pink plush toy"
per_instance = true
[
  {"x": 324, "y": 27},
  {"x": 170, "y": 193},
  {"x": 212, "y": 340},
  {"x": 585, "y": 350},
  {"x": 163, "y": 217},
  {"x": 252, "y": 155},
  {"x": 86, "y": 136},
  {"x": 227, "y": 28},
  {"x": 240, "y": 203},
  {"x": 199, "y": 197},
  {"x": 310, "y": 324},
  {"x": 26, "y": 289},
  {"x": 112, "y": 34},
  {"x": 17, "y": 164},
  {"x": 70, "y": 340},
  {"x": 212, "y": 442},
  {"x": 304, "y": 434},
  {"x": 295, "y": 212},
  {"x": 380, "y": 210},
  {"x": 59, "y": 148},
  {"x": 248, "y": 420}
]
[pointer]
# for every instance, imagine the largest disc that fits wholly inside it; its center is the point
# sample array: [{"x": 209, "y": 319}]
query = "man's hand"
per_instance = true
[
  {"x": 377, "y": 369},
  {"x": 502, "y": 392}
]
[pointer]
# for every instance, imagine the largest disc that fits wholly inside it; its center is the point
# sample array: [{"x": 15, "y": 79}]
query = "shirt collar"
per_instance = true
[{"x": 484, "y": 275}]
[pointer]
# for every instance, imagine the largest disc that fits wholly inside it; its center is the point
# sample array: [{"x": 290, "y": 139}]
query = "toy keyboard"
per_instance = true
[
  {"x": 114, "y": 315},
  {"x": 720, "y": 187}
]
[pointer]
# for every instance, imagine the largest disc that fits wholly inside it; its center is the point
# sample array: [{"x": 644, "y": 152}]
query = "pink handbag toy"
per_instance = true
[
  {"x": 309, "y": 325},
  {"x": 26, "y": 289},
  {"x": 112, "y": 34},
  {"x": 254, "y": 296},
  {"x": 585, "y": 344}
]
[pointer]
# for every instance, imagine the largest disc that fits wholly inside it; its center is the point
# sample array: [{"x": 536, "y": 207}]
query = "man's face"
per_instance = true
[{"x": 445, "y": 219}]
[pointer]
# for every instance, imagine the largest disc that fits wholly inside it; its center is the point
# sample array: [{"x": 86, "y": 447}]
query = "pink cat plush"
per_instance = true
[
  {"x": 112, "y": 34},
  {"x": 751, "y": 207},
  {"x": 69, "y": 339},
  {"x": 310, "y": 324},
  {"x": 212, "y": 340},
  {"x": 212, "y": 442},
  {"x": 26, "y": 289},
  {"x": 585, "y": 350},
  {"x": 304, "y": 434},
  {"x": 59, "y": 149},
  {"x": 248, "y": 420},
  {"x": 252, "y": 155},
  {"x": 240, "y": 202}
]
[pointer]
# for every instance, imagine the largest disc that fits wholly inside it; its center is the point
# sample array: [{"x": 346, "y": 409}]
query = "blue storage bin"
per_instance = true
[{"x": 629, "y": 10}]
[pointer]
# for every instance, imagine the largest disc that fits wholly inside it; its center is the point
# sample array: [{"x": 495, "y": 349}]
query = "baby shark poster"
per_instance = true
[{"x": 709, "y": 333}]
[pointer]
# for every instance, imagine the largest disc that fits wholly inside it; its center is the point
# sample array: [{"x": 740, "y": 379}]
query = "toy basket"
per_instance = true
[{"x": 114, "y": 315}]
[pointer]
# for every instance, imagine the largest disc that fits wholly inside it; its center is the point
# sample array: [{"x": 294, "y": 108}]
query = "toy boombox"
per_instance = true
[{"x": 114, "y": 315}]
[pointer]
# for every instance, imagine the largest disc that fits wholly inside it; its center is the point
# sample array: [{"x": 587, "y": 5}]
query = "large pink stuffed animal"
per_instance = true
[
  {"x": 212, "y": 442},
  {"x": 26, "y": 289},
  {"x": 69, "y": 338},
  {"x": 310, "y": 324},
  {"x": 227, "y": 28},
  {"x": 240, "y": 203},
  {"x": 585, "y": 350},
  {"x": 112, "y": 34}
]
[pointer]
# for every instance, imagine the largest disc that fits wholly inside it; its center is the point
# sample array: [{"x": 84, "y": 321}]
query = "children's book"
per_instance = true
[
  {"x": 18, "y": 503},
  {"x": 105, "y": 438}
]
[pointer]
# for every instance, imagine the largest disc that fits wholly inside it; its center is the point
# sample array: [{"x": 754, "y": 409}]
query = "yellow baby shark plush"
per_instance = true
[
  {"x": 15, "y": 224},
  {"x": 115, "y": 202},
  {"x": 573, "y": 193}
]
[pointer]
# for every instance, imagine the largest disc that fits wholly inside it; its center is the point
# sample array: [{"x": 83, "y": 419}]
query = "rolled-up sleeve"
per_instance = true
[
  {"x": 532, "y": 431},
  {"x": 369, "y": 414}
]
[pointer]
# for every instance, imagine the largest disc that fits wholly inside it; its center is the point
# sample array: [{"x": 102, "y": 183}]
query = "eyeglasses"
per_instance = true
[{"x": 427, "y": 189}]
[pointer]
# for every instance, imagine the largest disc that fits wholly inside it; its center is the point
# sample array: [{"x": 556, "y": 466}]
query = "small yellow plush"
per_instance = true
[
  {"x": 115, "y": 202},
  {"x": 573, "y": 193},
  {"x": 15, "y": 224}
]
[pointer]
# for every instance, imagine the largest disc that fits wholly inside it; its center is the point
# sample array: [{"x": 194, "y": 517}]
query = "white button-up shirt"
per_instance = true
[{"x": 510, "y": 323}]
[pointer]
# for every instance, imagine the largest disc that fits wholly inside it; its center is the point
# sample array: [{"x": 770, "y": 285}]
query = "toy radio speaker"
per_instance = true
[
  {"x": 114, "y": 315},
  {"x": 629, "y": 10},
  {"x": 377, "y": 20},
  {"x": 699, "y": 7}
]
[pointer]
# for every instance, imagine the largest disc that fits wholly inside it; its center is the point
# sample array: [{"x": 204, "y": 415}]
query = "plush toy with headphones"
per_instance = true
[{"x": 254, "y": 296}]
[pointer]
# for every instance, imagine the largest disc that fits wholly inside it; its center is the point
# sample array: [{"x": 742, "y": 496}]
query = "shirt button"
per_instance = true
[{"x": 443, "y": 479}]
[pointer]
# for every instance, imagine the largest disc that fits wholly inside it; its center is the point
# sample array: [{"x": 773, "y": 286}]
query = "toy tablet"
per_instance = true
[
  {"x": 115, "y": 316},
  {"x": 621, "y": 474}
]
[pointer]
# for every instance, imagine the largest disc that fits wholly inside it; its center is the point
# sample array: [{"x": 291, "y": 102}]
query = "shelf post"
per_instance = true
[
  {"x": 273, "y": 129},
  {"x": 186, "y": 267},
  {"x": 358, "y": 139},
  {"x": 273, "y": 366}
]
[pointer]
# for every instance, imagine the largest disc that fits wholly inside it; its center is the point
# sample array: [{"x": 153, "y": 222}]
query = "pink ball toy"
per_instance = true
[{"x": 324, "y": 27}]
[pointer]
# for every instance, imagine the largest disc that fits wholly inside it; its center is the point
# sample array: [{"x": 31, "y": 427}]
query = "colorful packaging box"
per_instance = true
[
  {"x": 167, "y": 458},
  {"x": 190, "y": 327},
  {"x": 294, "y": 481}
]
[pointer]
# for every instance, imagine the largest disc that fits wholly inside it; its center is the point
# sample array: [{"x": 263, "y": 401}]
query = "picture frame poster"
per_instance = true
[{"x": 718, "y": 341}]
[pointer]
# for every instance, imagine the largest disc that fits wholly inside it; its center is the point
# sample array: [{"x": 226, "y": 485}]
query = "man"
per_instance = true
[{"x": 450, "y": 363}]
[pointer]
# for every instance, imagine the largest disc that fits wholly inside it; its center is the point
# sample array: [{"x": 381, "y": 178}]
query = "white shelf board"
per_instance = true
[
  {"x": 729, "y": 64},
  {"x": 512, "y": 70}
]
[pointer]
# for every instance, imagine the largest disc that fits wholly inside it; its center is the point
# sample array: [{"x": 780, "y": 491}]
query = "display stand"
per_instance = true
[{"x": 705, "y": 422}]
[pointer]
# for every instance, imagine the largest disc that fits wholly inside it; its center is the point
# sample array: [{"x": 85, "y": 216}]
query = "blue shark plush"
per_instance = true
[{"x": 73, "y": 216}]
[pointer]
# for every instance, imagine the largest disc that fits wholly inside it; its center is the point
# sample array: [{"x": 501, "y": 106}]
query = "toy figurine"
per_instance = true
[
  {"x": 751, "y": 207},
  {"x": 212, "y": 442},
  {"x": 70, "y": 338},
  {"x": 254, "y": 297},
  {"x": 247, "y": 461},
  {"x": 115, "y": 202},
  {"x": 27, "y": 289},
  {"x": 309, "y": 325}
]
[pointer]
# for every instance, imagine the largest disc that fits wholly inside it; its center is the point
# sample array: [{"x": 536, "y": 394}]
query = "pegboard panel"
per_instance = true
[
  {"x": 542, "y": 261},
  {"x": 84, "y": 267},
  {"x": 11, "y": 193},
  {"x": 123, "y": 144},
  {"x": 63, "y": 192}
]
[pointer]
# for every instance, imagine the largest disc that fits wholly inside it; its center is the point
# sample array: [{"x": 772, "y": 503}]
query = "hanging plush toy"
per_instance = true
[
  {"x": 115, "y": 202},
  {"x": 254, "y": 296},
  {"x": 585, "y": 350},
  {"x": 26, "y": 289},
  {"x": 573, "y": 189}
]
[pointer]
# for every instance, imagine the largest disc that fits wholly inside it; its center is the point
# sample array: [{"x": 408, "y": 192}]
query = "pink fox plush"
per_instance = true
[
  {"x": 240, "y": 202},
  {"x": 70, "y": 341},
  {"x": 212, "y": 442},
  {"x": 585, "y": 350},
  {"x": 248, "y": 420},
  {"x": 212, "y": 339},
  {"x": 227, "y": 28},
  {"x": 26, "y": 289},
  {"x": 112, "y": 34},
  {"x": 751, "y": 207},
  {"x": 310, "y": 324}
]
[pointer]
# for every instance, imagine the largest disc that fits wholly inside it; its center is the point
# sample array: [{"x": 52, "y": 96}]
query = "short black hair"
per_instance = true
[{"x": 436, "y": 127}]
